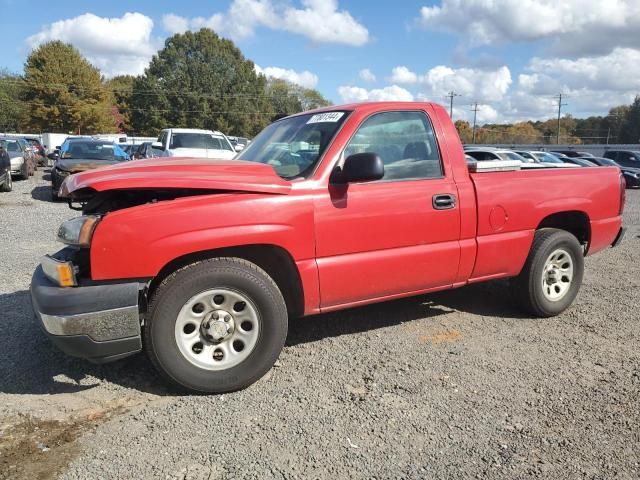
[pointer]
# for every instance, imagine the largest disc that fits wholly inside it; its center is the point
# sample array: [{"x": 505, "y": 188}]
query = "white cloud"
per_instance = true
[
  {"x": 576, "y": 27},
  {"x": 367, "y": 75},
  {"x": 121, "y": 45},
  {"x": 474, "y": 84},
  {"x": 402, "y": 74},
  {"x": 319, "y": 20},
  {"x": 305, "y": 78},
  {"x": 174, "y": 23},
  {"x": 350, "y": 94}
]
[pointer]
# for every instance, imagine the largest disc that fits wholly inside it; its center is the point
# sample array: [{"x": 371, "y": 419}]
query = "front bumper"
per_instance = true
[{"x": 98, "y": 322}]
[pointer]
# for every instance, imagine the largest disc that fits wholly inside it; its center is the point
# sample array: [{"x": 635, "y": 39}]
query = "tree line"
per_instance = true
[
  {"x": 620, "y": 125},
  {"x": 197, "y": 80}
]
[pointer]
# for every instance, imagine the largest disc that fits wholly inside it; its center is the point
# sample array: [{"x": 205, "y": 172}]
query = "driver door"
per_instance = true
[{"x": 387, "y": 238}]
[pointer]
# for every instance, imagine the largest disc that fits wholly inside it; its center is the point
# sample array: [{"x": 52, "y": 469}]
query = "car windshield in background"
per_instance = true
[
  {"x": 11, "y": 146},
  {"x": 294, "y": 145},
  {"x": 199, "y": 140},
  {"x": 92, "y": 150},
  {"x": 547, "y": 158},
  {"x": 511, "y": 156}
]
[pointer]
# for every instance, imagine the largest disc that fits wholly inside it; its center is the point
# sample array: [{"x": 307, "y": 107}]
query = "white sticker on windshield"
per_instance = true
[{"x": 325, "y": 117}]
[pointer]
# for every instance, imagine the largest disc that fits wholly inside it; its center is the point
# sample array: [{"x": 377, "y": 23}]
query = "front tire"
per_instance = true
[
  {"x": 216, "y": 326},
  {"x": 7, "y": 186},
  {"x": 552, "y": 274}
]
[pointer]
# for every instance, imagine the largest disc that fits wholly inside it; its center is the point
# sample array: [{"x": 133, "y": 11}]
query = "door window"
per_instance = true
[{"x": 405, "y": 142}]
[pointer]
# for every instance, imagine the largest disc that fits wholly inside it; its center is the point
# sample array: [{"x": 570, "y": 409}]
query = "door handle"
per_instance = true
[{"x": 444, "y": 201}]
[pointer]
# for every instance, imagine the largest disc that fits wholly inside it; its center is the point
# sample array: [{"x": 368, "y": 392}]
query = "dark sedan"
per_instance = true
[
  {"x": 82, "y": 155},
  {"x": 631, "y": 175}
]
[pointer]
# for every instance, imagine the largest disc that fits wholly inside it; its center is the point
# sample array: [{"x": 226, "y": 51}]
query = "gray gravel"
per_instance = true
[{"x": 453, "y": 385}]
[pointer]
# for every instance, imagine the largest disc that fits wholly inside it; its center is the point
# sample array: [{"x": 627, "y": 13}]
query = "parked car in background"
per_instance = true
[
  {"x": 551, "y": 160},
  {"x": 204, "y": 263},
  {"x": 6, "y": 183},
  {"x": 19, "y": 158},
  {"x": 581, "y": 162},
  {"x": 631, "y": 175},
  {"x": 573, "y": 153},
  {"x": 146, "y": 150},
  {"x": 30, "y": 155},
  {"x": 190, "y": 142},
  {"x": 624, "y": 158},
  {"x": 492, "y": 154},
  {"x": 81, "y": 155},
  {"x": 41, "y": 155},
  {"x": 238, "y": 143}
]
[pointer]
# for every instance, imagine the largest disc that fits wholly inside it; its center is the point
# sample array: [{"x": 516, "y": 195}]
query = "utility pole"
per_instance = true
[
  {"x": 475, "y": 114},
  {"x": 560, "y": 105},
  {"x": 451, "y": 94}
]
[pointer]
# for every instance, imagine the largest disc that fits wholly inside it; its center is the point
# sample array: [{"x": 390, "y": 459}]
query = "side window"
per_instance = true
[{"x": 405, "y": 142}]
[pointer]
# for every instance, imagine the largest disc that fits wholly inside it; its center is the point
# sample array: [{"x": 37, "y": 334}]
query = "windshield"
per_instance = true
[
  {"x": 294, "y": 145},
  {"x": 10, "y": 146},
  {"x": 547, "y": 158},
  {"x": 88, "y": 150},
  {"x": 607, "y": 161},
  {"x": 199, "y": 140},
  {"x": 511, "y": 156}
]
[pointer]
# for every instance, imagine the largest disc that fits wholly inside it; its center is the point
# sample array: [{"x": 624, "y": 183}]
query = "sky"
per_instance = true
[{"x": 511, "y": 57}]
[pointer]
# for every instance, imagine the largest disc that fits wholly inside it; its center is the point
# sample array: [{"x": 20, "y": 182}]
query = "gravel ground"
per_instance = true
[{"x": 453, "y": 385}]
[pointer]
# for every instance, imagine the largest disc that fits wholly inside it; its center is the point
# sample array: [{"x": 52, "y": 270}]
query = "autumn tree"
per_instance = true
[{"x": 65, "y": 92}]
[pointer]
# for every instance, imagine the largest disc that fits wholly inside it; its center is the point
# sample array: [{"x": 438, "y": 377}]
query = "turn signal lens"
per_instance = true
[{"x": 66, "y": 277}]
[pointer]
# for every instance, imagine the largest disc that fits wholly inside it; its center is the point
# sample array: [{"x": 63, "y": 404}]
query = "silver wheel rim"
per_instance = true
[
  {"x": 217, "y": 329},
  {"x": 557, "y": 275}
]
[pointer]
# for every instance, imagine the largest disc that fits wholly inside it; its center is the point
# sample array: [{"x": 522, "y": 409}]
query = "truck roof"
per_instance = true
[{"x": 191, "y": 130}]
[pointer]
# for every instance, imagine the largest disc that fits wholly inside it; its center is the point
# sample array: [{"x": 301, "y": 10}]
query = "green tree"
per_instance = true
[
  {"x": 200, "y": 80},
  {"x": 465, "y": 131},
  {"x": 630, "y": 127},
  {"x": 65, "y": 92},
  {"x": 121, "y": 88},
  {"x": 13, "y": 111}
]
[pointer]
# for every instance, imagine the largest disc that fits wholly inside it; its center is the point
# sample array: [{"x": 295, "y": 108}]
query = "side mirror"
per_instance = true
[
  {"x": 238, "y": 147},
  {"x": 157, "y": 145},
  {"x": 58, "y": 147},
  {"x": 360, "y": 167},
  {"x": 53, "y": 156}
]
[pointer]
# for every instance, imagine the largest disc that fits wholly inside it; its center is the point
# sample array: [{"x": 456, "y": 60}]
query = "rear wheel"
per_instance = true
[
  {"x": 552, "y": 275},
  {"x": 24, "y": 171},
  {"x": 216, "y": 326}
]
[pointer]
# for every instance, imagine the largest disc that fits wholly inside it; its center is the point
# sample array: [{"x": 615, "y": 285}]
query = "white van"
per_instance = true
[{"x": 191, "y": 142}]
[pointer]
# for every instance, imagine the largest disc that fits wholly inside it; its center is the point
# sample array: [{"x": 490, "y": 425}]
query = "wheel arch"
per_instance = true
[
  {"x": 273, "y": 259},
  {"x": 575, "y": 222}
]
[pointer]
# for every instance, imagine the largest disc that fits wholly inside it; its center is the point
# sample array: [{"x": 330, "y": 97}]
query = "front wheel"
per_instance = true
[
  {"x": 552, "y": 274},
  {"x": 216, "y": 326},
  {"x": 7, "y": 186}
]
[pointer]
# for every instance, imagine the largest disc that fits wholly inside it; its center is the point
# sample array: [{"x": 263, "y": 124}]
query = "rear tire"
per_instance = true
[
  {"x": 218, "y": 286},
  {"x": 552, "y": 274},
  {"x": 24, "y": 171}
]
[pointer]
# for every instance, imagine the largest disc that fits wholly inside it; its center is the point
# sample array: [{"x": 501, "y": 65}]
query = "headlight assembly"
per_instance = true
[{"x": 78, "y": 231}]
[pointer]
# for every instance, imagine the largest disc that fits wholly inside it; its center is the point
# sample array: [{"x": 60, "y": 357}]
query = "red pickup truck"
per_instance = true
[{"x": 202, "y": 263}]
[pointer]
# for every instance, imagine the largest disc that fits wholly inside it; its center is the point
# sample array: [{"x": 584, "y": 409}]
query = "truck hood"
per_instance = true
[{"x": 179, "y": 173}]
